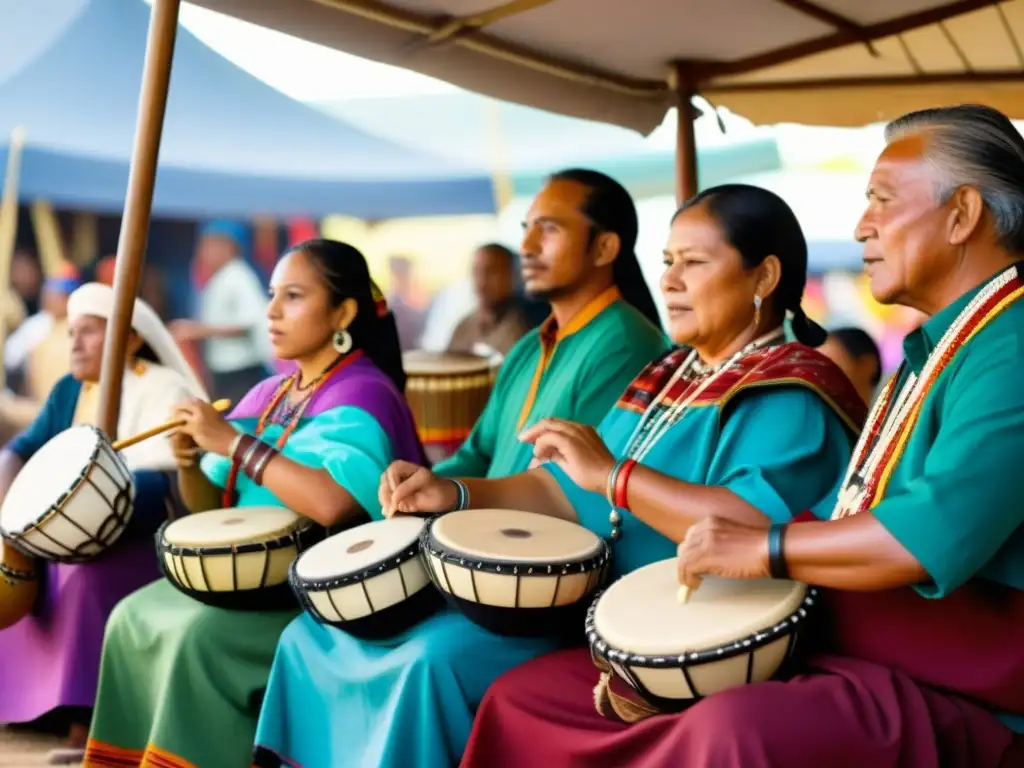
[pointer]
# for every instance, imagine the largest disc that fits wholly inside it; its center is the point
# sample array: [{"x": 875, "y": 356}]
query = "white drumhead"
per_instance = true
[
  {"x": 359, "y": 548},
  {"x": 51, "y": 472},
  {"x": 423, "y": 363},
  {"x": 239, "y": 525},
  {"x": 503, "y": 535},
  {"x": 641, "y": 613}
]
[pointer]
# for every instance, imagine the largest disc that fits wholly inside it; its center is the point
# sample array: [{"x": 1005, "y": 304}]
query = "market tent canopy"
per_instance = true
[
  {"x": 70, "y": 74},
  {"x": 820, "y": 62}
]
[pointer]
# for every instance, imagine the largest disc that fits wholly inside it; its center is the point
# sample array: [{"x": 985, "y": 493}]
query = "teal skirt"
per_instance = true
[{"x": 335, "y": 701}]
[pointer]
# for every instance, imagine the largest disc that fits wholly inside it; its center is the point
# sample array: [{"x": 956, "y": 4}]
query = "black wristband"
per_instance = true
[{"x": 776, "y": 557}]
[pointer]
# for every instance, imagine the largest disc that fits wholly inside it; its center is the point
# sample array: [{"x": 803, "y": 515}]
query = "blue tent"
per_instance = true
[
  {"x": 528, "y": 143},
  {"x": 70, "y": 73}
]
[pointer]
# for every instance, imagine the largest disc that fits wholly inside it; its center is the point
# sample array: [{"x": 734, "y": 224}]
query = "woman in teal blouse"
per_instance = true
[{"x": 759, "y": 435}]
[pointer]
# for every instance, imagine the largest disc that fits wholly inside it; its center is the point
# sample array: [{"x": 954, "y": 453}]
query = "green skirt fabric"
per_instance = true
[{"x": 181, "y": 682}]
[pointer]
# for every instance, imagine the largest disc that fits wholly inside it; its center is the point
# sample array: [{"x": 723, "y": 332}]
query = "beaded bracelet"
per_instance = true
[{"x": 463, "y": 498}]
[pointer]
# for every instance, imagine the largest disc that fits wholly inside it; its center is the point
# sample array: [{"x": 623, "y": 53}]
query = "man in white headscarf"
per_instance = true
[{"x": 50, "y": 658}]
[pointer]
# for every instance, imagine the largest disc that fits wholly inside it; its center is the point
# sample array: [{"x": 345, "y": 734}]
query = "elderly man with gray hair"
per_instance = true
[{"x": 913, "y": 642}]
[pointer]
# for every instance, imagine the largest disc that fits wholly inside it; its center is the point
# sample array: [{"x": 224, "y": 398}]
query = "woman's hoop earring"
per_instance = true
[
  {"x": 342, "y": 341},
  {"x": 757, "y": 311}
]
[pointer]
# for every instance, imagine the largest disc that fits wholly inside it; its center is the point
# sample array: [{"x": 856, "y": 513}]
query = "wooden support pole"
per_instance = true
[
  {"x": 9, "y": 236},
  {"x": 131, "y": 244},
  {"x": 686, "y": 133}
]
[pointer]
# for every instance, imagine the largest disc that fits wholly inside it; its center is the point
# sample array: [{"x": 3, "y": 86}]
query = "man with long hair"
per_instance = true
[{"x": 577, "y": 254}]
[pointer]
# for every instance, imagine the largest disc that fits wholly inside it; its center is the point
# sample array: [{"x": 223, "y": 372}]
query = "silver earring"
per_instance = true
[
  {"x": 342, "y": 341},
  {"x": 757, "y": 310}
]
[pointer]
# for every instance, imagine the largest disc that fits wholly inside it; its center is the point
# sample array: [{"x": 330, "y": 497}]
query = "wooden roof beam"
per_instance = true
[
  {"x": 1000, "y": 76},
  {"x": 458, "y": 26},
  {"x": 833, "y": 19},
  {"x": 841, "y": 38}
]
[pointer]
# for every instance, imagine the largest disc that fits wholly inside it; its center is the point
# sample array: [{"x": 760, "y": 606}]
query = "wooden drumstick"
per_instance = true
[
  {"x": 684, "y": 594},
  {"x": 128, "y": 442}
]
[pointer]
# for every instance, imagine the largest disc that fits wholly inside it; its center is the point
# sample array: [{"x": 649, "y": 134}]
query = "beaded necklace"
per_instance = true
[
  {"x": 890, "y": 422},
  {"x": 657, "y": 420},
  {"x": 278, "y": 411}
]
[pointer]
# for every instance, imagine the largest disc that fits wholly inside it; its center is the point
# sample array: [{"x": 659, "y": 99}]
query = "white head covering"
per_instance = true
[{"x": 97, "y": 300}]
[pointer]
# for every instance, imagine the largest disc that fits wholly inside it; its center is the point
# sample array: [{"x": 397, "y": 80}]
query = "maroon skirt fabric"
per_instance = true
[
  {"x": 968, "y": 643},
  {"x": 841, "y": 712}
]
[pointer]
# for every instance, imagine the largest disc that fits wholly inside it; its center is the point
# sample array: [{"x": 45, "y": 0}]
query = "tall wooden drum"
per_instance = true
[
  {"x": 447, "y": 393},
  {"x": 19, "y": 584}
]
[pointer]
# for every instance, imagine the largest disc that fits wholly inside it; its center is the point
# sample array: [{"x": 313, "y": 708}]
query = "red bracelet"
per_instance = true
[{"x": 621, "y": 482}]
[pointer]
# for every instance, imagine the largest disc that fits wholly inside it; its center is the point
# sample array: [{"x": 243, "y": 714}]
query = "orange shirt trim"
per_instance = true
[{"x": 551, "y": 334}]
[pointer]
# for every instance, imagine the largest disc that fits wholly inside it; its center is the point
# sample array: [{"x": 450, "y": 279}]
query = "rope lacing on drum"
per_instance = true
[{"x": 627, "y": 710}]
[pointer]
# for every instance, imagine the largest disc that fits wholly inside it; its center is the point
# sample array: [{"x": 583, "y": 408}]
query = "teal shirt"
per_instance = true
[
  {"x": 955, "y": 500},
  {"x": 780, "y": 448},
  {"x": 345, "y": 441},
  {"x": 589, "y": 368}
]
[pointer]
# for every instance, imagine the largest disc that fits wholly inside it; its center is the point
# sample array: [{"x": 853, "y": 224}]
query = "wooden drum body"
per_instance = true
[
  {"x": 370, "y": 581},
  {"x": 515, "y": 573},
  {"x": 731, "y": 632},
  {"x": 19, "y": 585},
  {"x": 446, "y": 393},
  {"x": 72, "y": 500},
  {"x": 235, "y": 558}
]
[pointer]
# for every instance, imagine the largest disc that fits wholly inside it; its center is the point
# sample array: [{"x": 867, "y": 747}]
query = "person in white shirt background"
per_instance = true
[
  {"x": 36, "y": 354},
  {"x": 232, "y": 305}
]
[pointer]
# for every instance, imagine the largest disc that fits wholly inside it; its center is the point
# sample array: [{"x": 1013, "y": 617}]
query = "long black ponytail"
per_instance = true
[
  {"x": 346, "y": 276},
  {"x": 611, "y": 209}
]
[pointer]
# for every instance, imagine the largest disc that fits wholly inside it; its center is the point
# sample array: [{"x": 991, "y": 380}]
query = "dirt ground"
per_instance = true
[{"x": 22, "y": 749}]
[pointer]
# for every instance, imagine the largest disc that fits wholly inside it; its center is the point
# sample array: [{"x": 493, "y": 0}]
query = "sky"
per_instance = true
[{"x": 304, "y": 71}]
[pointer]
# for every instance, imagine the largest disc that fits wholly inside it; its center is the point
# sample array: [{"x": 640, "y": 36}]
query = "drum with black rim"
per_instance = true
[
  {"x": 730, "y": 632},
  {"x": 236, "y": 558},
  {"x": 369, "y": 581},
  {"x": 516, "y": 573},
  {"x": 72, "y": 500}
]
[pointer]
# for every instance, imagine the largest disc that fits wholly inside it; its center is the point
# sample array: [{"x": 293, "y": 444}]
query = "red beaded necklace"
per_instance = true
[
  {"x": 228, "y": 497},
  {"x": 880, "y": 446}
]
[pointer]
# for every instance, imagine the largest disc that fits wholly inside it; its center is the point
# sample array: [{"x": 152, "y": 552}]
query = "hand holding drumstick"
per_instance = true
[
  {"x": 167, "y": 426},
  {"x": 718, "y": 546},
  {"x": 183, "y": 445},
  {"x": 204, "y": 425}
]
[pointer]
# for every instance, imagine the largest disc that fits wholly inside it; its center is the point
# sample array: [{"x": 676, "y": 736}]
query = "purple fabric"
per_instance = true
[
  {"x": 284, "y": 367},
  {"x": 51, "y": 658},
  {"x": 360, "y": 384}
]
